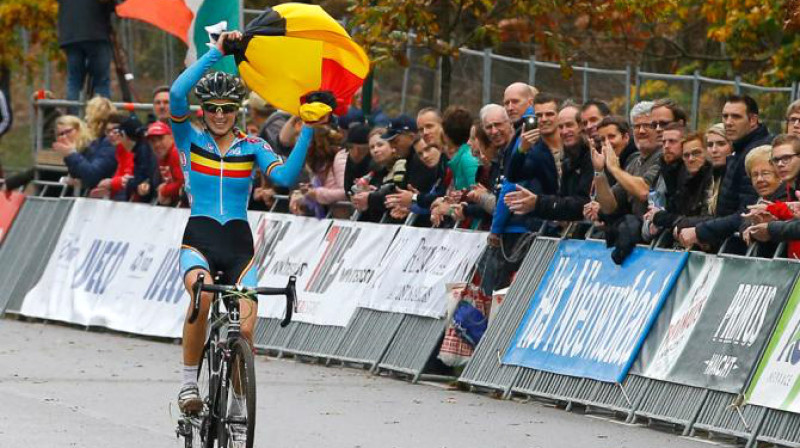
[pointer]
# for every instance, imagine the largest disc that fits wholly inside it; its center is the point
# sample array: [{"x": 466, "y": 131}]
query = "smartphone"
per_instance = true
[
  {"x": 530, "y": 122},
  {"x": 598, "y": 144}
]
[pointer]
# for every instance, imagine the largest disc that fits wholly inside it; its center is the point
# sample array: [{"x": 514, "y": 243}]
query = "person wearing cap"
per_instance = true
[
  {"x": 170, "y": 174},
  {"x": 401, "y": 134},
  {"x": 358, "y": 158},
  {"x": 132, "y": 137}
]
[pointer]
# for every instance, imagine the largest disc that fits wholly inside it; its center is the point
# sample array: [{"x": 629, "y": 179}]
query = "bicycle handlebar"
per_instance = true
[{"x": 289, "y": 291}]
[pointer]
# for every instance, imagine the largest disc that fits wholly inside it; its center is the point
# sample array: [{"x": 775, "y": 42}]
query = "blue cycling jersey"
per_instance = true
[{"x": 219, "y": 185}]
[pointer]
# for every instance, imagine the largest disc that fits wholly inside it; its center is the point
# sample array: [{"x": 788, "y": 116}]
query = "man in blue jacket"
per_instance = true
[{"x": 743, "y": 128}]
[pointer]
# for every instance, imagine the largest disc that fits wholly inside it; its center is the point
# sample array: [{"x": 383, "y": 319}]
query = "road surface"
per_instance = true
[{"x": 66, "y": 387}]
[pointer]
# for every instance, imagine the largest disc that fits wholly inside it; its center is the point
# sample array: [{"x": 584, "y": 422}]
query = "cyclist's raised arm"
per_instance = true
[
  {"x": 285, "y": 173},
  {"x": 179, "y": 96}
]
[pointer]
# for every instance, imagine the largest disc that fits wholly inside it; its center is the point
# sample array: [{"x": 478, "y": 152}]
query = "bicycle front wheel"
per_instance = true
[{"x": 238, "y": 426}]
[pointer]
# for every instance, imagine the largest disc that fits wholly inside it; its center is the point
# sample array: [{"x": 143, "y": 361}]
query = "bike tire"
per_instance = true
[
  {"x": 241, "y": 371},
  {"x": 206, "y": 433}
]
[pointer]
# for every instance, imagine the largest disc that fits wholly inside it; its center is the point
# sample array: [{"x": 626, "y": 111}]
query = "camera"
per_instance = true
[{"x": 530, "y": 122}]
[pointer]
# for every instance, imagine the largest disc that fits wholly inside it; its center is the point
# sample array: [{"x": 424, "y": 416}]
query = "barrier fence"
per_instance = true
[{"x": 707, "y": 342}]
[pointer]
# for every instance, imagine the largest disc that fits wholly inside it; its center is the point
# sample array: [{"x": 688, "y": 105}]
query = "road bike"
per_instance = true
[{"x": 226, "y": 374}]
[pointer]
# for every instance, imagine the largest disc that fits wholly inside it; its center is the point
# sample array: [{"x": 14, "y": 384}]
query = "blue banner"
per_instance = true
[{"x": 589, "y": 316}]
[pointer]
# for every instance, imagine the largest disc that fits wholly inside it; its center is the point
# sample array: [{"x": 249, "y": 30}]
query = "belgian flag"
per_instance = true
[{"x": 294, "y": 49}]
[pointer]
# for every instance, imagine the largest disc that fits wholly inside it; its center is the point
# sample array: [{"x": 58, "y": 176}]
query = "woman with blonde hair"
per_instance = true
[
  {"x": 719, "y": 147},
  {"x": 86, "y": 160},
  {"x": 98, "y": 111}
]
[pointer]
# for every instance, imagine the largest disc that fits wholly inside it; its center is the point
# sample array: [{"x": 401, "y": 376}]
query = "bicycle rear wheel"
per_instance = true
[{"x": 239, "y": 398}]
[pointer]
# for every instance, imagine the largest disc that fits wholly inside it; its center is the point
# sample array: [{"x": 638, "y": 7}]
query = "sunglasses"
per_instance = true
[
  {"x": 65, "y": 132},
  {"x": 225, "y": 108}
]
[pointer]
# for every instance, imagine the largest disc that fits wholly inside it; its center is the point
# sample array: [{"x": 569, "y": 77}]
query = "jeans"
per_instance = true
[{"x": 92, "y": 58}]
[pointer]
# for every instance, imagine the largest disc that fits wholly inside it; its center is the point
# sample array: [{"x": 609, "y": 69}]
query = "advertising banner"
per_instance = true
[
  {"x": 334, "y": 262},
  {"x": 589, "y": 316},
  {"x": 776, "y": 383},
  {"x": 285, "y": 245},
  {"x": 412, "y": 276},
  {"x": 115, "y": 265},
  {"x": 9, "y": 207},
  {"x": 712, "y": 336}
]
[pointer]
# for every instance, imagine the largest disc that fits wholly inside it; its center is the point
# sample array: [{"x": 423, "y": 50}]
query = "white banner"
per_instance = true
[
  {"x": 285, "y": 245},
  {"x": 115, "y": 265},
  {"x": 341, "y": 272},
  {"x": 412, "y": 276}
]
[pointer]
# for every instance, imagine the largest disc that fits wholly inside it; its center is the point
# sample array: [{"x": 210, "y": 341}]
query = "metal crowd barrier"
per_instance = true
[
  {"x": 485, "y": 370},
  {"x": 415, "y": 342},
  {"x": 367, "y": 337},
  {"x": 314, "y": 341},
  {"x": 27, "y": 248}
]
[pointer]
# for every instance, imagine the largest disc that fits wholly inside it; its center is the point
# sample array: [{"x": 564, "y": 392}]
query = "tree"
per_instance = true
[{"x": 38, "y": 18}]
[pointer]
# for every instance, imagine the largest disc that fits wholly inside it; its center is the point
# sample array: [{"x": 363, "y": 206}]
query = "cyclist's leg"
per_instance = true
[{"x": 193, "y": 263}]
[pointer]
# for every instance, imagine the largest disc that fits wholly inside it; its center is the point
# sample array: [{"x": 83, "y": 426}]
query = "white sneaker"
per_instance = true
[{"x": 189, "y": 400}]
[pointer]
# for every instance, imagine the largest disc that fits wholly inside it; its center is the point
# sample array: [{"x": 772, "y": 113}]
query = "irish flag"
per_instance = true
[{"x": 186, "y": 20}]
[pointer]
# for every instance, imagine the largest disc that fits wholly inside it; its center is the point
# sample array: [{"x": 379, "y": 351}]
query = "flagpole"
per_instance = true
[{"x": 241, "y": 15}]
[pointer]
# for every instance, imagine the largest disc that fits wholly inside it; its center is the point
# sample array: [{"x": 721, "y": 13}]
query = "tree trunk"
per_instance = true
[{"x": 444, "y": 81}]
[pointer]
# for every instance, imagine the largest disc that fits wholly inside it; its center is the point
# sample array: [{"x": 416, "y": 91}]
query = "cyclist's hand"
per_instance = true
[{"x": 227, "y": 35}]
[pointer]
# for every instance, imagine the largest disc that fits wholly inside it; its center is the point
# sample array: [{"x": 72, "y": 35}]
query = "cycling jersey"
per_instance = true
[{"x": 218, "y": 186}]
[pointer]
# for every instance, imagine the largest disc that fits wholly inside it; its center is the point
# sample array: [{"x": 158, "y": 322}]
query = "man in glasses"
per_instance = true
[
  {"x": 218, "y": 163},
  {"x": 793, "y": 118},
  {"x": 665, "y": 112},
  {"x": 745, "y": 130}
]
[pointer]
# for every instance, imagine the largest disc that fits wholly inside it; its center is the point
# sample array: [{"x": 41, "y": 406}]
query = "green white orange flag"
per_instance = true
[{"x": 187, "y": 20}]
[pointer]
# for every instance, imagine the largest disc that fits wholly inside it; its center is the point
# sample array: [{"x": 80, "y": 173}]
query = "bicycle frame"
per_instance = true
[{"x": 219, "y": 347}]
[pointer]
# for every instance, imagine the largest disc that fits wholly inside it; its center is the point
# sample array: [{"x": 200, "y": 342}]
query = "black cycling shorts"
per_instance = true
[{"x": 215, "y": 247}]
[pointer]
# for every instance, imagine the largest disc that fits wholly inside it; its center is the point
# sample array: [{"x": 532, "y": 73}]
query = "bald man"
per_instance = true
[{"x": 517, "y": 98}]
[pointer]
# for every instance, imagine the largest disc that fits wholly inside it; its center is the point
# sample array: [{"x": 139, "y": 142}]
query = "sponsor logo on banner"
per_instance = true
[
  {"x": 588, "y": 316},
  {"x": 741, "y": 300},
  {"x": 339, "y": 241},
  {"x": 687, "y": 310},
  {"x": 99, "y": 266},
  {"x": 167, "y": 283},
  {"x": 268, "y": 234},
  {"x": 418, "y": 265},
  {"x": 340, "y": 272},
  {"x": 115, "y": 265},
  {"x": 776, "y": 383}
]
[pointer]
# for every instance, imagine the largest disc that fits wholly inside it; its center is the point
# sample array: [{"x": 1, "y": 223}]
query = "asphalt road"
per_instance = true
[{"x": 65, "y": 387}]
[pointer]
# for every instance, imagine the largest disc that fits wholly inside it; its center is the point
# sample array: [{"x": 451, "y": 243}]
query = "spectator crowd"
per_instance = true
[{"x": 531, "y": 165}]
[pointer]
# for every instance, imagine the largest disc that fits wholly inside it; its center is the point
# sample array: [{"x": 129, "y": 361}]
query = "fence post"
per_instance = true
[
  {"x": 585, "y": 82},
  {"x": 487, "y": 75},
  {"x": 637, "y": 80},
  {"x": 794, "y": 91},
  {"x": 695, "y": 98},
  {"x": 438, "y": 89},
  {"x": 406, "y": 74},
  {"x": 532, "y": 70},
  {"x": 738, "y": 86},
  {"x": 165, "y": 56},
  {"x": 627, "y": 91}
]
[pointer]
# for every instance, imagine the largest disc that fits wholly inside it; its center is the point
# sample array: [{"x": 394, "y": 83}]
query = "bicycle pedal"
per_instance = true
[{"x": 184, "y": 428}]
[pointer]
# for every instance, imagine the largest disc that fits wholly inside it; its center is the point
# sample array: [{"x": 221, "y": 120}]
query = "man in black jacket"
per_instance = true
[
  {"x": 84, "y": 27},
  {"x": 742, "y": 126},
  {"x": 576, "y": 180}
]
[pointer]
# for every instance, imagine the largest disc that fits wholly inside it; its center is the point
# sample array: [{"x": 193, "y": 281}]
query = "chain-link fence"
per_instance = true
[{"x": 480, "y": 77}]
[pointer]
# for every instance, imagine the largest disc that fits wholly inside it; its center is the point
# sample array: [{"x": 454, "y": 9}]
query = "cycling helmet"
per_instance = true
[{"x": 220, "y": 86}]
